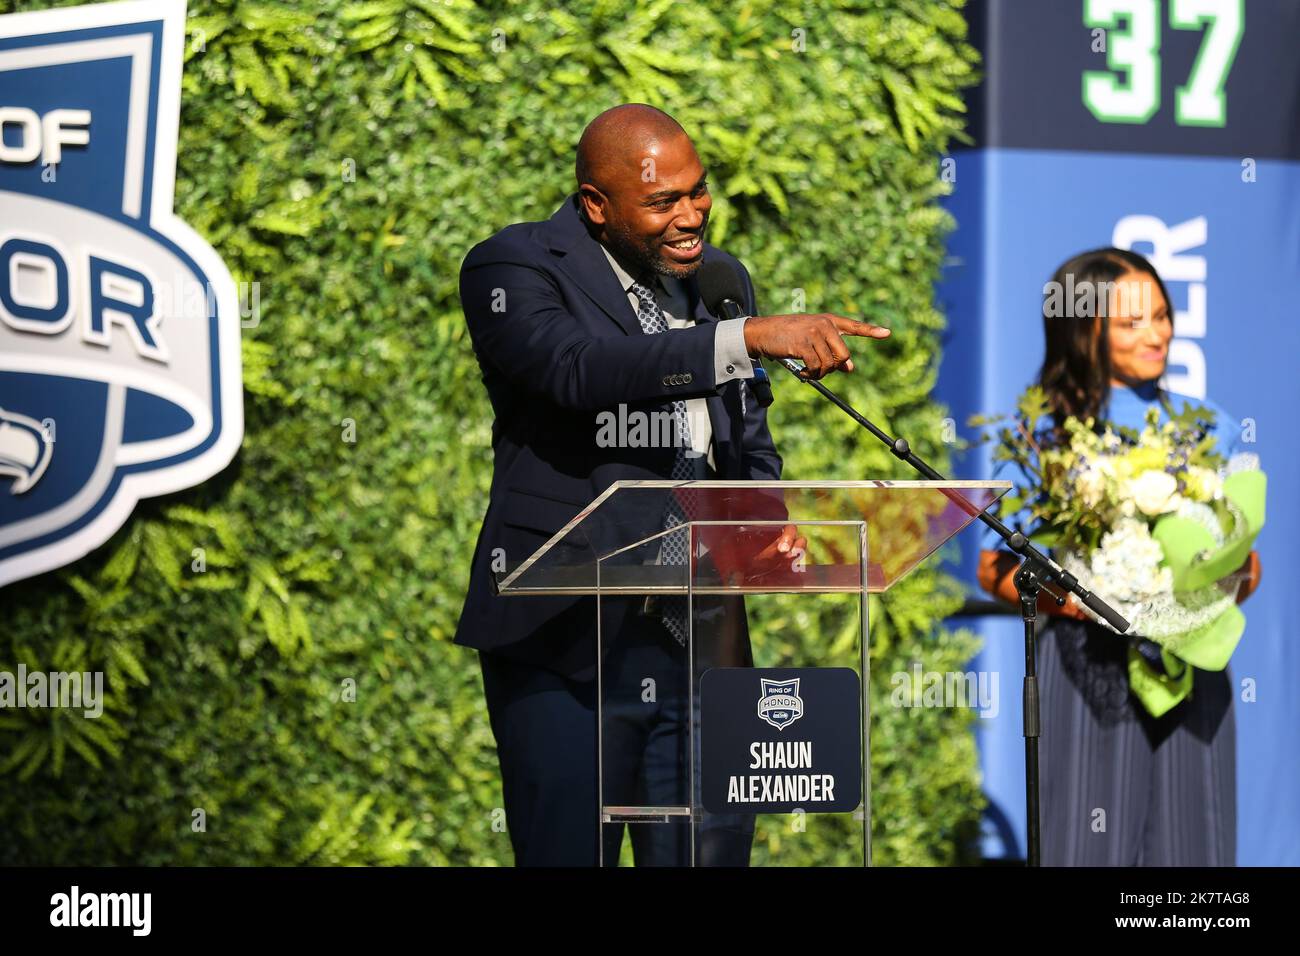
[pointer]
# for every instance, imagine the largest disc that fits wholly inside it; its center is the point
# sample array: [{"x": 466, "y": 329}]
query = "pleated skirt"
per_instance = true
[{"x": 1123, "y": 788}]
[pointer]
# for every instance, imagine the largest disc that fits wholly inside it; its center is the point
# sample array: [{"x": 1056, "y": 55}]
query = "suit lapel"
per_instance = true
[{"x": 583, "y": 261}]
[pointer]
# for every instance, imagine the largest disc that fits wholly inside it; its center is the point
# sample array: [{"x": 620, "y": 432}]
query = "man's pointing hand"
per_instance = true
[{"x": 815, "y": 340}]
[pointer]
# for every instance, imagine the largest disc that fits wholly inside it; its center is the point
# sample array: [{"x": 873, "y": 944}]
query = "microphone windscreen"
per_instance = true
[{"x": 718, "y": 282}]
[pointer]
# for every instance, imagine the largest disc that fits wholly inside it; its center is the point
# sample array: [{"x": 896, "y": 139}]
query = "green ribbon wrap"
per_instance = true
[{"x": 1198, "y": 563}]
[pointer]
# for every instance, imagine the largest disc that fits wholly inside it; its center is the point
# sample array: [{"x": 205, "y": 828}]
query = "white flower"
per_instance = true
[
  {"x": 1125, "y": 570},
  {"x": 1153, "y": 492},
  {"x": 1091, "y": 486},
  {"x": 1129, "y": 561},
  {"x": 1203, "y": 484}
]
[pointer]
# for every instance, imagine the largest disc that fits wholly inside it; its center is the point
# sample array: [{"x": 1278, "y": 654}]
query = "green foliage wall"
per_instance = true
[{"x": 344, "y": 156}]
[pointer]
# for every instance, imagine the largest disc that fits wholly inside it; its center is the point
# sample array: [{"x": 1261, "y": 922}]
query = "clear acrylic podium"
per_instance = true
[{"x": 862, "y": 536}]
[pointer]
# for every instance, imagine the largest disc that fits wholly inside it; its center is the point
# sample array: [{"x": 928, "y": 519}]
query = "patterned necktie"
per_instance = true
[{"x": 675, "y": 547}]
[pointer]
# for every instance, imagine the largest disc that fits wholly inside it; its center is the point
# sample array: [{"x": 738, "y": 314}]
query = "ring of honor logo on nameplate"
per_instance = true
[{"x": 777, "y": 740}]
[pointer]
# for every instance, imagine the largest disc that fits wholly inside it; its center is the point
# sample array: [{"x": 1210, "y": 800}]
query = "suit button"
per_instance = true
[
  {"x": 686, "y": 379},
  {"x": 668, "y": 380}
]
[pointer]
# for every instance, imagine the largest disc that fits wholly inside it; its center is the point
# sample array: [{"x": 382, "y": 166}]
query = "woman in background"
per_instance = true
[{"x": 1120, "y": 787}]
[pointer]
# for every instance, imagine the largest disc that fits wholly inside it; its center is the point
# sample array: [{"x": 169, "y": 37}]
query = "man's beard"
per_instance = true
[{"x": 642, "y": 254}]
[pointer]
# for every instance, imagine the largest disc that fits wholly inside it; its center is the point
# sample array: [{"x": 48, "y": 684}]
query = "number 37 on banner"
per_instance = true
[{"x": 1129, "y": 91}]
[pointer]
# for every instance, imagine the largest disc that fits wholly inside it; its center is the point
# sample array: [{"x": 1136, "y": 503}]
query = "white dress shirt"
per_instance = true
[{"x": 730, "y": 358}]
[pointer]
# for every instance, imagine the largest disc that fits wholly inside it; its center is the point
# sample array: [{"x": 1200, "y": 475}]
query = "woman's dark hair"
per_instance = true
[{"x": 1076, "y": 370}]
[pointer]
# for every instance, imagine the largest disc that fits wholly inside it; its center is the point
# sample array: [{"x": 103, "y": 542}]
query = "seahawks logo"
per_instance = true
[{"x": 25, "y": 450}]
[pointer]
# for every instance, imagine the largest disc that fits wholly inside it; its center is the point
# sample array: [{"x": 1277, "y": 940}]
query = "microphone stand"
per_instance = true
[{"x": 1037, "y": 571}]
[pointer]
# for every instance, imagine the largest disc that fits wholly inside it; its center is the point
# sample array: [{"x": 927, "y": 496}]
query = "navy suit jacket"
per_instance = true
[{"x": 558, "y": 342}]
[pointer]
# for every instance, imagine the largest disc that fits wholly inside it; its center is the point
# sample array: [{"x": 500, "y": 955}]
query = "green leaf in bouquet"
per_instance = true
[
  {"x": 1194, "y": 417},
  {"x": 1033, "y": 405},
  {"x": 1048, "y": 538},
  {"x": 1206, "y": 454},
  {"x": 1129, "y": 435},
  {"x": 1011, "y": 502}
]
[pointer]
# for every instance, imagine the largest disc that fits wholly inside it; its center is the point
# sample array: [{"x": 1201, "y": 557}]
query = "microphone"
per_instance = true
[
  {"x": 721, "y": 290},
  {"x": 723, "y": 293}
]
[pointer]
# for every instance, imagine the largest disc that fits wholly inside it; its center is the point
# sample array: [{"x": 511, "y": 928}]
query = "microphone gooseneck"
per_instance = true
[{"x": 721, "y": 289}]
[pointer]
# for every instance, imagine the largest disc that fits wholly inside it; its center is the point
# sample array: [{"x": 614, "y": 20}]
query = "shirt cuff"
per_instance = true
[{"x": 730, "y": 357}]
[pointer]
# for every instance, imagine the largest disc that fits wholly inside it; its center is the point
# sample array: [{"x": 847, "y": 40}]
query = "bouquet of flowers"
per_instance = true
[{"x": 1155, "y": 521}]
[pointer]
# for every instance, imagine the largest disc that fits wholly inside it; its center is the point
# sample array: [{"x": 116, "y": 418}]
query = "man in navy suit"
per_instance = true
[{"x": 590, "y": 310}]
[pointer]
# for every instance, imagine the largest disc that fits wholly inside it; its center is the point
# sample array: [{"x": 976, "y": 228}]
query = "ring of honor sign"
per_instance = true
[{"x": 781, "y": 740}]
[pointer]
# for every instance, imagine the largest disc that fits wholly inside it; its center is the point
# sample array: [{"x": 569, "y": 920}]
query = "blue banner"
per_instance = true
[{"x": 1171, "y": 127}]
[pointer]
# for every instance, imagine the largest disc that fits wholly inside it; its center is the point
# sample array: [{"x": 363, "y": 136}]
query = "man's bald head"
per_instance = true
[
  {"x": 642, "y": 190},
  {"x": 621, "y": 137}
]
